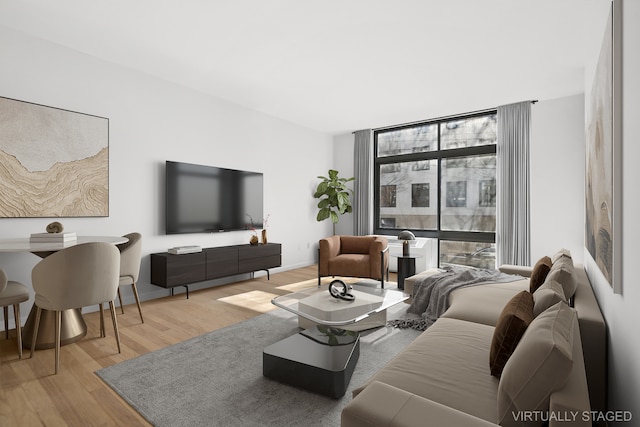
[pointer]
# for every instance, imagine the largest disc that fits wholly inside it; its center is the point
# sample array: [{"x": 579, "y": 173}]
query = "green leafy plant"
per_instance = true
[{"x": 334, "y": 197}]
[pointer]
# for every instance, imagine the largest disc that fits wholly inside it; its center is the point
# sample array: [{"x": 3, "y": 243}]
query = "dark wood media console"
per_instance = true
[{"x": 169, "y": 270}]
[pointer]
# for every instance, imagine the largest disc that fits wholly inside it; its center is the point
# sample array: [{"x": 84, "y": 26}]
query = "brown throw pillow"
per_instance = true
[
  {"x": 513, "y": 321},
  {"x": 539, "y": 273}
]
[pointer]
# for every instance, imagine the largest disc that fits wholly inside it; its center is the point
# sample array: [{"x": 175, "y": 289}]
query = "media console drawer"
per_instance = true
[
  {"x": 169, "y": 271},
  {"x": 222, "y": 262}
]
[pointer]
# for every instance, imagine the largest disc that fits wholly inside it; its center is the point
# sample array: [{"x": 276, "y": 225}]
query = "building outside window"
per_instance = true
[
  {"x": 456, "y": 194},
  {"x": 388, "y": 196},
  {"x": 420, "y": 197},
  {"x": 452, "y": 158},
  {"x": 487, "y": 192}
]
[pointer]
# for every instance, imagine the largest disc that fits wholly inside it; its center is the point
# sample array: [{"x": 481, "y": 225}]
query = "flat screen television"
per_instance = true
[{"x": 207, "y": 199}]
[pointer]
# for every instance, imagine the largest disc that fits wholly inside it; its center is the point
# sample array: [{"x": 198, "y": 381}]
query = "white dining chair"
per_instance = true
[
  {"x": 79, "y": 276},
  {"x": 130, "y": 257},
  {"x": 12, "y": 294}
]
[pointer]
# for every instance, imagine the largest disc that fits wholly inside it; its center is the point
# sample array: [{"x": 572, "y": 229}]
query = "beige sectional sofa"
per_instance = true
[{"x": 556, "y": 373}]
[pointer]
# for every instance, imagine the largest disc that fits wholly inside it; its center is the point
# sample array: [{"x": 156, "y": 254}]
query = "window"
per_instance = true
[
  {"x": 456, "y": 194},
  {"x": 388, "y": 196},
  {"x": 487, "y": 194},
  {"x": 420, "y": 195},
  {"x": 456, "y": 159}
]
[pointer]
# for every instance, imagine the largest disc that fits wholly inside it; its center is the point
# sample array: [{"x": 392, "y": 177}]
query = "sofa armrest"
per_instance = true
[
  {"x": 520, "y": 270},
  {"x": 381, "y": 404}
]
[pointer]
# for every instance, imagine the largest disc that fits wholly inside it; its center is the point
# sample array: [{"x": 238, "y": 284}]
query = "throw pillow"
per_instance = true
[
  {"x": 561, "y": 253},
  {"x": 548, "y": 294},
  {"x": 539, "y": 366},
  {"x": 513, "y": 321},
  {"x": 539, "y": 273},
  {"x": 564, "y": 273}
]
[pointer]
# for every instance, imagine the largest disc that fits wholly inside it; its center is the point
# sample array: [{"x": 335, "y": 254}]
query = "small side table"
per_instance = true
[{"x": 406, "y": 267}]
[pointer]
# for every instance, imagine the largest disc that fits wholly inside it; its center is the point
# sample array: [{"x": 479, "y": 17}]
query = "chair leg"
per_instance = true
[
  {"x": 6, "y": 321},
  {"x": 16, "y": 315},
  {"x": 112, "y": 307},
  {"x": 135, "y": 294},
  {"x": 58, "y": 320},
  {"x": 120, "y": 299},
  {"x": 102, "y": 332},
  {"x": 35, "y": 331}
]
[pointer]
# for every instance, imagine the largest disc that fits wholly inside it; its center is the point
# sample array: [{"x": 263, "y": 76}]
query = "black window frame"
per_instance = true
[{"x": 440, "y": 155}]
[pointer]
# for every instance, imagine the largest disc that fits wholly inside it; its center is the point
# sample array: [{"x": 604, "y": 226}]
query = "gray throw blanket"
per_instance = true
[{"x": 431, "y": 294}]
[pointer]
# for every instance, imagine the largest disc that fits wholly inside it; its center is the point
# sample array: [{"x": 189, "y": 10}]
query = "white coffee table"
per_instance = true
[{"x": 315, "y": 306}]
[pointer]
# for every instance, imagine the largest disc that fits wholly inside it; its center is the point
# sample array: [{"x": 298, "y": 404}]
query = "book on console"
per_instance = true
[
  {"x": 52, "y": 237},
  {"x": 178, "y": 250}
]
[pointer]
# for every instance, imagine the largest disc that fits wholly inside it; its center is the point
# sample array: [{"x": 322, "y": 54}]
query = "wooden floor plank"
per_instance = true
[{"x": 31, "y": 395}]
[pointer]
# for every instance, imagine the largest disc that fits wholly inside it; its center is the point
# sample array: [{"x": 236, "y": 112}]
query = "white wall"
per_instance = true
[
  {"x": 151, "y": 121},
  {"x": 557, "y": 176},
  {"x": 622, "y": 312}
]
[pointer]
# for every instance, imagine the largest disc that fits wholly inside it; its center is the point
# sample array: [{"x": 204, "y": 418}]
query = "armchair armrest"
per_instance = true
[
  {"x": 327, "y": 248},
  {"x": 520, "y": 270},
  {"x": 381, "y": 404},
  {"x": 379, "y": 258}
]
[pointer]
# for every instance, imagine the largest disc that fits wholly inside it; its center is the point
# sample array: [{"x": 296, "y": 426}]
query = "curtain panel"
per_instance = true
[
  {"x": 513, "y": 242},
  {"x": 363, "y": 184}
]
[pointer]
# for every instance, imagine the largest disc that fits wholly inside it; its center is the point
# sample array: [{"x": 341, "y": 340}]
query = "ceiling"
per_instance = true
[{"x": 332, "y": 65}]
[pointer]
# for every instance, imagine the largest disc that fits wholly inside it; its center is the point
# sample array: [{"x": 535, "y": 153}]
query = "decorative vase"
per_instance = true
[
  {"x": 253, "y": 240},
  {"x": 264, "y": 236}
]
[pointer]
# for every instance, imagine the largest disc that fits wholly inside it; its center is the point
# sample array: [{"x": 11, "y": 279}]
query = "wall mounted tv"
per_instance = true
[{"x": 207, "y": 199}]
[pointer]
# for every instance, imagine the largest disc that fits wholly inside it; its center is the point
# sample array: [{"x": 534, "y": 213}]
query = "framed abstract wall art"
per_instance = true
[
  {"x": 603, "y": 209},
  {"x": 53, "y": 162}
]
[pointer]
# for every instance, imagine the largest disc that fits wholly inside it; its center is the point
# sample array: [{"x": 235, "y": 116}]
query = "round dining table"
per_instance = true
[{"x": 72, "y": 325}]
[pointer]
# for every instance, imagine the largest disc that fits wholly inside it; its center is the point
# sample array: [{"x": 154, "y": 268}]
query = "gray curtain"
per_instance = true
[
  {"x": 363, "y": 185},
  {"x": 512, "y": 198}
]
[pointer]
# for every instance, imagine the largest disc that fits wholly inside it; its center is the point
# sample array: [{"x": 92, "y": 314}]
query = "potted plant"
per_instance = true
[{"x": 334, "y": 197}]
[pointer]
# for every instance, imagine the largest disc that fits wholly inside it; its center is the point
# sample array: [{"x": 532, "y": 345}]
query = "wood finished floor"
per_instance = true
[{"x": 30, "y": 395}]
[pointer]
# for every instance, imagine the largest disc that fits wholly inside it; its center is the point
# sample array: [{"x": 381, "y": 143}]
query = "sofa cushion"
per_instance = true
[
  {"x": 539, "y": 365},
  {"x": 482, "y": 303},
  {"x": 564, "y": 273},
  {"x": 539, "y": 273},
  {"x": 434, "y": 366},
  {"x": 513, "y": 321},
  {"x": 547, "y": 295}
]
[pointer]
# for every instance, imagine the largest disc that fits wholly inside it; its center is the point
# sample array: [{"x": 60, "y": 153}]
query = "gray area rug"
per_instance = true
[{"x": 216, "y": 379}]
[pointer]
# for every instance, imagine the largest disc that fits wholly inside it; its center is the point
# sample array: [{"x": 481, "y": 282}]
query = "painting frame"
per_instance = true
[
  {"x": 54, "y": 162},
  {"x": 603, "y": 156}
]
